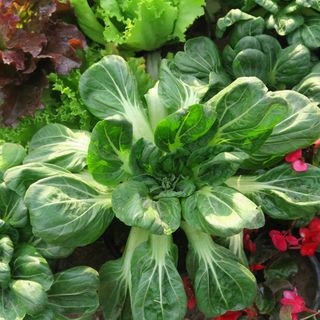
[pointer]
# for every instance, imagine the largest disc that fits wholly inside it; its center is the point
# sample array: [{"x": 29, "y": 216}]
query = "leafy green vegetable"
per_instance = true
[
  {"x": 10, "y": 155},
  {"x": 136, "y": 25}
]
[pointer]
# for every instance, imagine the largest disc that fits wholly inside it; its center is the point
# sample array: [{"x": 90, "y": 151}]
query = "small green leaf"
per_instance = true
[
  {"x": 183, "y": 127},
  {"x": 133, "y": 205},
  {"x": 109, "y": 151}
]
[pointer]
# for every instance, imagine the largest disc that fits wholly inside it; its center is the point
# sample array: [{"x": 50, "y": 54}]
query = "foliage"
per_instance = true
[{"x": 135, "y": 25}]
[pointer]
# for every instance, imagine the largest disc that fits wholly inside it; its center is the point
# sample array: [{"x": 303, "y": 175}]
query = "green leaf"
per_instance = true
[
  {"x": 9, "y": 307},
  {"x": 221, "y": 283},
  {"x": 178, "y": 91},
  {"x": 12, "y": 208},
  {"x": 188, "y": 11},
  {"x": 300, "y": 128},
  {"x": 109, "y": 88},
  {"x": 133, "y": 206},
  {"x": 282, "y": 192},
  {"x": 21, "y": 177},
  {"x": 157, "y": 288},
  {"x": 180, "y": 129},
  {"x": 292, "y": 65},
  {"x": 115, "y": 280},
  {"x": 74, "y": 291},
  {"x": 237, "y": 107},
  {"x": 308, "y": 33},
  {"x": 285, "y": 23},
  {"x": 284, "y": 267},
  {"x": 199, "y": 58},
  {"x": 310, "y": 85},
  {"x": 215, "y": 164},
  {"x": 115, "y": 285},
  {"x": 109, "y": 151},
  {"x": 67, "y": 210},
  {"x": 30, "y": 296},
  {"x": 28, "y": 264},
  {"x": 59, "y": 145},
  {"x": 232, "y": 17},
  {"x": 11, "y": 155},
  {"x": 221, "y": 211},
  {"x": 265, "y": 300}
]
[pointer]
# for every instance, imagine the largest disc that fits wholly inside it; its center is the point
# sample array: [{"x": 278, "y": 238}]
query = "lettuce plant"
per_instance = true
[
  {"x": 135, "y": 24},
  {"x": 166, "y": 160}
]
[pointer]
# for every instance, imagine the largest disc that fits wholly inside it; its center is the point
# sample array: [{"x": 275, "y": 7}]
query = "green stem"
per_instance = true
[{"x": 153, "y": 64}]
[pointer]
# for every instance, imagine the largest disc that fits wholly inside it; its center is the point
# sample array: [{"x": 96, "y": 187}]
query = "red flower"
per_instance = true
[
  {"x": 292, "y": 299},
  {"x": 293, "y": 241},
  {"x": 314, "y": 225},
  {"x": 293, "y": 156},
  {"x": 229, "y": 315},
  {"x": 308, "y": 248},
  {"x": 190, "y": 295},
  {"x": 278, "y": 240},
  {"x": 256, "y": 267},
  {"x": 249, "y": 245}
]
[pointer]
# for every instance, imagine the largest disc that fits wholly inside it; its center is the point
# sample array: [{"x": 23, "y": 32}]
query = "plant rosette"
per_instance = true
[{"x": 176, "y": 157}]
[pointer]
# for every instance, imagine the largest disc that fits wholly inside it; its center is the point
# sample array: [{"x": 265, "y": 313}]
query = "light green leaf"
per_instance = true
[
  {"x": 59, "y": 145},
  {"x": 300, "y": 128},
  {"x": 30, "y": 296},
  {"x": 11, "y": 155},
  {"x": 21, "y": 177},
  {"x": 9, "y": 309},
  {"x": 67, "y": 210},
  {"x": 237, "y": 107},
  {"x": 109, "y": 151},
  {"x": 133, "y": 206},
  {"x": 157, "y": 288},
  {"x": 28, "y": 264},
  {"x": 12, "y": 208},
  {"x": 109, "y": 88},
  {"x": 282, "y": 192},
  {"x": 176, "y": 91},
  {"x": 74, "y": 291},
  {"x": 221, "y": 211},
  {"x": 220, "y": 282}
]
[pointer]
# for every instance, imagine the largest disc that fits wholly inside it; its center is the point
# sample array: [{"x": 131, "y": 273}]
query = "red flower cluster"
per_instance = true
[
  {"x": 292, "y": 299},
  {"x": 190, "y": 294},
  {"x": 282, "y": 240},
  {"x": 296, "y": 160},
  {"x": 234, "y": 315},
  {"x": 310, "y": 238},
  {"x": 307, "y": 243}
]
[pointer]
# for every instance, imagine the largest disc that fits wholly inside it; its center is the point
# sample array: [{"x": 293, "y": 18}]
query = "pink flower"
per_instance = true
[
  {"x": 291, "y": 298},
  {"x": 299, "y": 166}
]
